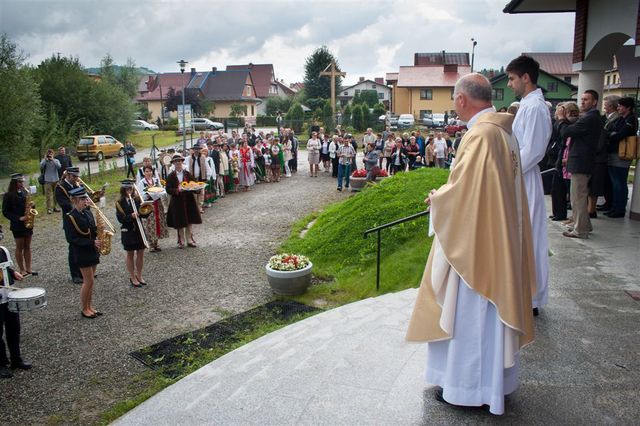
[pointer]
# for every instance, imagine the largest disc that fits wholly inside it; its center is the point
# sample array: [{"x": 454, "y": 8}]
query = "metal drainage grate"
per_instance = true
[{"x": 173, "y": 357}]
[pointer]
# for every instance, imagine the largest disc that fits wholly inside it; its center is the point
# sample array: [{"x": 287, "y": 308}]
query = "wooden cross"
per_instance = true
[{"x": 333, "y": 73}]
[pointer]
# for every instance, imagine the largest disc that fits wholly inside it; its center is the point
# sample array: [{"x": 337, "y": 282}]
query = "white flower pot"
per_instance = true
[{"x": 289, "y": 283}]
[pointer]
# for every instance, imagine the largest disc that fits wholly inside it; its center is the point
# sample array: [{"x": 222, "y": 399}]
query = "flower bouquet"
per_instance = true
[{"x": 288, "y": 262}]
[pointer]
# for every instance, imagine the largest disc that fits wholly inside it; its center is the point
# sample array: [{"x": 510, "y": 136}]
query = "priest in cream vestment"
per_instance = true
[{"x": 474, "y": 302}]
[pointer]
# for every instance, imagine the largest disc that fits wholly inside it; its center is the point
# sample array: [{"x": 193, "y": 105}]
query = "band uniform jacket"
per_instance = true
[
  {"x": 13, "y": 208},
  {"x": 81, "y": 233},
  {"x": 62, "y": 195},
  {"x": 131, "y": 234}
]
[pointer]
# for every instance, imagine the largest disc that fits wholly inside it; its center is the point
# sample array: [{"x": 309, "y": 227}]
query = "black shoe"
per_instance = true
[
  {"x": 138, "y": 285},
  {"x": 615, "y": 215},
  {"x": 22, "y": 365},
  {"x": 77, "y": 280},
  {"x": 603, "y": 207},
  {"x": 552, "y": 217},
  {"x": 88, "y": 316},
  {"x": 536, "y": 312},
  {"x": 593, "y": 215},
  {"x": 558, "y": 219},
  {"x": 5, "y": 373}
]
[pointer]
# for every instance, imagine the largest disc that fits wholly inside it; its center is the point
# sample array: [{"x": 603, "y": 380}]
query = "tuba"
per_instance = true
[{"x": 30, "y": 212}]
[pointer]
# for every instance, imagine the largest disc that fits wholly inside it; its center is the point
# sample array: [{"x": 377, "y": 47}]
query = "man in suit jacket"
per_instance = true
[{"x": 585, "y": 134}]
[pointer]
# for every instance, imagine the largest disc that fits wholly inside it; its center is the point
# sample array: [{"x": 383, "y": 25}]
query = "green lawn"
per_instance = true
[{"x": 347, "y": 261}]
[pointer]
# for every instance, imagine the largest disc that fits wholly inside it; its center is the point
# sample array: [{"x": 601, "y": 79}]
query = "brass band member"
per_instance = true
[
  {"x": 16, "y": 206},
  {"x": 81, "y": 232},
  {"x": 68, "y": 182},
  {"x": 156, "y": 223},
  {"x": 10, "y": 322},
  {"x": 130, "y": 231},
  {"x": 183, "y": 209}
]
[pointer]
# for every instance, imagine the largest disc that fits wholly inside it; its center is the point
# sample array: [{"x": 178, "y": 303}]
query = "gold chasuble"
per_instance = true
[{"x": 482, "y": 232}]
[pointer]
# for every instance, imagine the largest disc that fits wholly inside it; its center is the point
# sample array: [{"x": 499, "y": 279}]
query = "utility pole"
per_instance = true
[{"x": 473, "y": 51}]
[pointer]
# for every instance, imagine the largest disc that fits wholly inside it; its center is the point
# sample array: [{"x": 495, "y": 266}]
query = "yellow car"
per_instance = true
[{"x": 98, "y": 147}]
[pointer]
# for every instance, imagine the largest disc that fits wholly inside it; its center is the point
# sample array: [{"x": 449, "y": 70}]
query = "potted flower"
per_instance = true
[
  {"x": 358, "y": 179},
  {"x": 289, "y": 274}
]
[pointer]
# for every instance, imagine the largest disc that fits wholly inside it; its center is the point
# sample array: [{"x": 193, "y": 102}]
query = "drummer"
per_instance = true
[
  {"x": 183, "y": 209},
  {"x": 81, "y": 233},
  {"x": 14, "y": 208},
  {"x": 9, "y": 322},
  {"x": 128, "y": 214}
]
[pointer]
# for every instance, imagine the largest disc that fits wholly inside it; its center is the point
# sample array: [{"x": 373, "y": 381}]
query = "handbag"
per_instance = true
[
  {"x": 628, "y": 148},
  {"x": 41, "y": 177}
]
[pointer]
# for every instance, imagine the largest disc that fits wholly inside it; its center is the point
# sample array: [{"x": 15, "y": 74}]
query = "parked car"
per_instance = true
[
  {"x": 143, "y": 125},
  {"x": 451, "y": 129},
  {"x": 393, "y": 119},
  {"x": 438, "y": 120},
  {"x": 406, "y": 120},
  {"x": 99, "y": 147},
  {"x": 206, "y": 124},
  {"x": 427, "y": 120}
]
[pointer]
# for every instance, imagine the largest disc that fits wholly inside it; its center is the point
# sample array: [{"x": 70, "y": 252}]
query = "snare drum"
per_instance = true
[{"x": 27, "y": 299}]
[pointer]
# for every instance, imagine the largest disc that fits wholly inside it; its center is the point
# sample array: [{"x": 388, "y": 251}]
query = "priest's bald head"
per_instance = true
[{"x": 471, "y": 95}]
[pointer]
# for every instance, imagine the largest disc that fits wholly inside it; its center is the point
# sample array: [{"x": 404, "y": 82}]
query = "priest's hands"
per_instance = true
[{"x": 427, "y": 200}]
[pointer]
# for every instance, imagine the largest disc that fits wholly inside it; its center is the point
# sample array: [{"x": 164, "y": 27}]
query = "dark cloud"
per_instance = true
[{"x": 369, "y": 38}]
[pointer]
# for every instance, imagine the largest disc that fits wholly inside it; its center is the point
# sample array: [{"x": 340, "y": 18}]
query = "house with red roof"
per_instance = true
[
  {"x": 265, "y": 83},
  {"x": 427, "y": 87},
  {"x": 558, "y": 64},
  {"x": 153, "y": 91}
]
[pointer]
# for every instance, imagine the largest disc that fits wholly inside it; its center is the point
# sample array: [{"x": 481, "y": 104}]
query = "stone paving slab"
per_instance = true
[{"x": 351, "y": 365}]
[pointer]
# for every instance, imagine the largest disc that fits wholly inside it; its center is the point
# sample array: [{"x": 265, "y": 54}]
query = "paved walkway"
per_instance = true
[{"x": 350, "y": 365}]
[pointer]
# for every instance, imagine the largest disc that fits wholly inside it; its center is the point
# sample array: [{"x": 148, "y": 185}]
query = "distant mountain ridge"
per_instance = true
[{"x": 117, "y": 68}]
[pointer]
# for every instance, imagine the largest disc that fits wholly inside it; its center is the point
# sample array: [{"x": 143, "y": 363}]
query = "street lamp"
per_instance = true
[
  {"x": 183, "y": 64},
  {"x": 473, "y": 49}
]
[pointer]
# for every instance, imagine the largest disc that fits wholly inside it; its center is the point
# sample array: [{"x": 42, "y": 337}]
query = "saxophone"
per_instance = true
[
  {"x": 30, "y": 212},
  {"x": 104, "y": 235}
]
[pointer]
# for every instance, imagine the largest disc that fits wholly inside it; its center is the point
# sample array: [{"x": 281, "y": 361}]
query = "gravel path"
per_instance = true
[{"x": 82, "y": 367}]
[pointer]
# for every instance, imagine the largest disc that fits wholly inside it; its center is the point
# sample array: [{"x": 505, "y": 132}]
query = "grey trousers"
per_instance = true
[{"x": 579, "y": 196}]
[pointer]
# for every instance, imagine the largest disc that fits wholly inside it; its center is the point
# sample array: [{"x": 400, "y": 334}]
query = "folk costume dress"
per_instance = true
[
  {"x": 13, "y": 208},
  {"x": 474, "y": 301},
  {"x": 156, "y": 223},
  {"x": 183, "y": 207},
  {"x": 532, "y": 129},
  {"x": 131, "y": 235},
  {"x": 81, "y": 233},
  {"x": 234, "y": 158},
  {"x": 246, "y": 165}
]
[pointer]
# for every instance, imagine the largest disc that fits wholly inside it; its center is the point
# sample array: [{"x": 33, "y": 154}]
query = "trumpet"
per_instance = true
[{"x": 95, "y": 195}]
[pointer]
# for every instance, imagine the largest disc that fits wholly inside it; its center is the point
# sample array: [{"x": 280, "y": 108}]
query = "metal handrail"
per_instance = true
[{"x": 388, "y": 225}]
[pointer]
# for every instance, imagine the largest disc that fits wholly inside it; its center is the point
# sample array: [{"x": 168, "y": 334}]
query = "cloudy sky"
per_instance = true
[{"x": 368, "y": 37}]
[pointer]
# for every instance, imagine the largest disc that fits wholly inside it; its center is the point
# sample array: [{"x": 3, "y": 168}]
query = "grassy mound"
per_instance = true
[{"x": 338, "y": 250}]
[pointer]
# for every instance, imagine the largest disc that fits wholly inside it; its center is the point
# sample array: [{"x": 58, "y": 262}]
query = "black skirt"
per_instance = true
[
  {"x": 85, "y": 256},
  {"x": 21, "y": 232},
  {"x": 132, "y": 240}
]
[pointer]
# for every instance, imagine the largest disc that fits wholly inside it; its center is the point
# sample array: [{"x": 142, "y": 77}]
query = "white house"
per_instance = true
[{"x": 384, "y": 92}]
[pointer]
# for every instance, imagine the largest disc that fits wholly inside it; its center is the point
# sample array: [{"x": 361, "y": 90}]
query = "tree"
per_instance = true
[
  {"x": 369, "y": 97},
  {"x": 76, "y": 101},
  {"x": 316, "y": 86},
  {"x": 295, "y": 117},
  {"x": 378, "y": 110},
  {"x": 173, "y": 99},
  {"x": 327, "y": 116},
  {"x": 277, "y": 104},
  {"x": 20, "y": 109},
  {"x": 366, "y": 116},
  {"x": 346, "y": 116},
  {"x": 357, "y": 118},
  {"x": 238, "y": 110}
]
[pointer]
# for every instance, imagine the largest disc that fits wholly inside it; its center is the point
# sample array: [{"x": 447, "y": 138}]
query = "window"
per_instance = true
[
  {"x": 357, "y": 91},
  {"x": 252, "y": 111},
  {"x": 373, "y": 86},
  {"x": 273, "y": 89},
  {"x": 346, "y": 93},
  {"x": 567, "y": 79},
  {"x": 608, "y": 80},
  {"x": 426, "y": 94},
  {"x": 102, "y": 140},
  {"x": 552, "y": 86},
  {"x": 247, "y": 91},
  {"x": 380, "y": 95},
  {"x": 497, "y": 94},
  {"x": 425, "y": 113}
]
